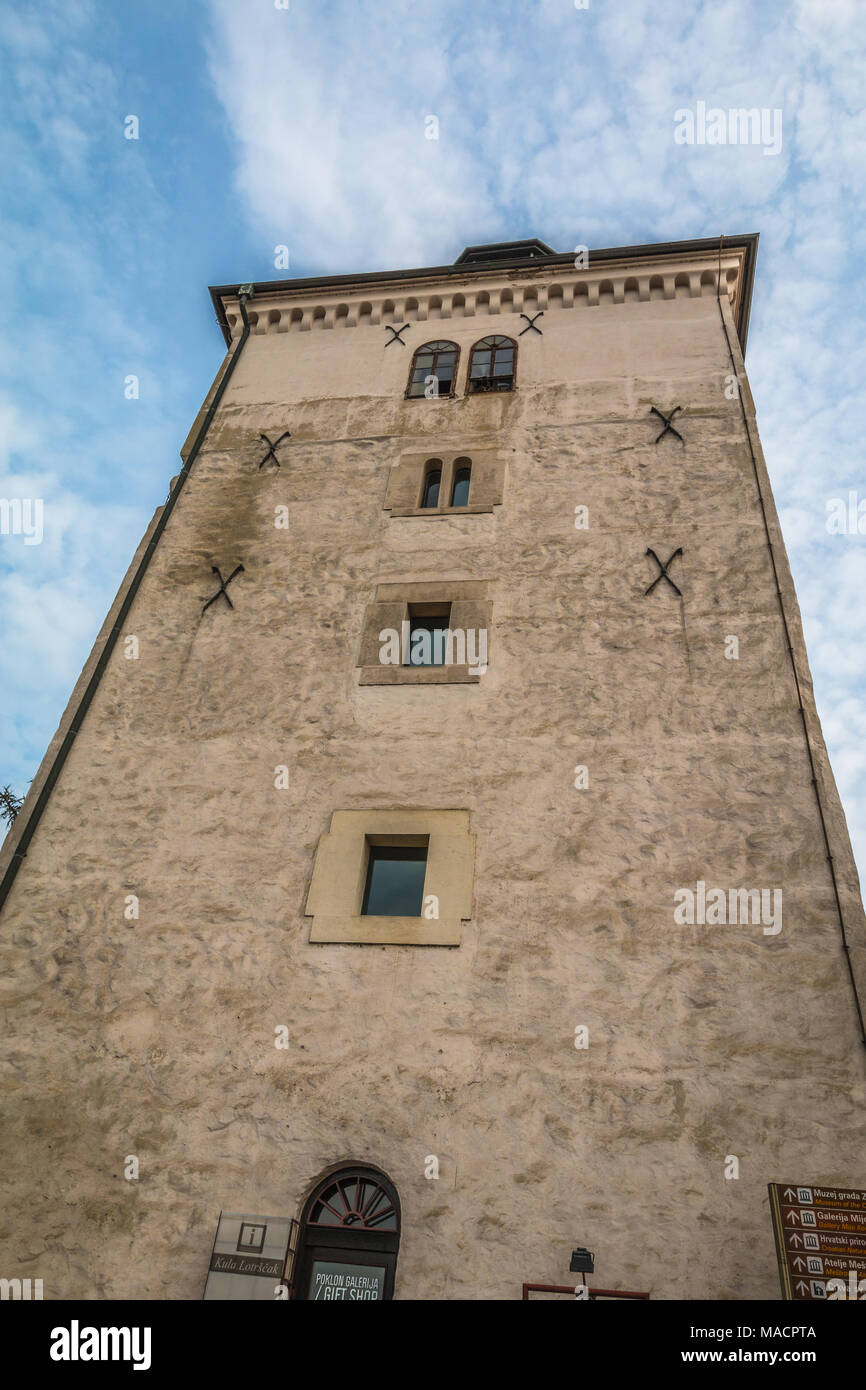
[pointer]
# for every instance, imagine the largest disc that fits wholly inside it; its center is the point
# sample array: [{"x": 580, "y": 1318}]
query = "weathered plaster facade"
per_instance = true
[{"x": 155, "y": 1036}]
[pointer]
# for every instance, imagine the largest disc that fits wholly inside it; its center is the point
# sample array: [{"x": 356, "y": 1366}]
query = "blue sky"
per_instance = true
[{"x": 305, "y": 127}]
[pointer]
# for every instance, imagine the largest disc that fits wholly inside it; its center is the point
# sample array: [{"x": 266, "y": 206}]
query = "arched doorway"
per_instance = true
[{"x": 350, "y": 1233}]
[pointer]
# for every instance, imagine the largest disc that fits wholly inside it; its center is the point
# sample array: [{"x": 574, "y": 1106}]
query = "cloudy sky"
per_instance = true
[{"x": 302, "y": 123}]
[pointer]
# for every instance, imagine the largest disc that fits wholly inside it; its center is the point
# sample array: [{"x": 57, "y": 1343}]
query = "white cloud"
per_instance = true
[
  {"x": 559, "y": 122},
  {"x": 554, "y": 122},
  {"x": 68, "y": 261}
]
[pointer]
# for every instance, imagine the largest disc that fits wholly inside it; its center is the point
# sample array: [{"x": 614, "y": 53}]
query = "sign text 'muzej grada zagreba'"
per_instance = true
[{"x": 820, "y": 1241}]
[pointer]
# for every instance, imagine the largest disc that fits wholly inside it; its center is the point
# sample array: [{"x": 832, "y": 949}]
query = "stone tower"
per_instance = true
[{"x": 439, "y": 848}]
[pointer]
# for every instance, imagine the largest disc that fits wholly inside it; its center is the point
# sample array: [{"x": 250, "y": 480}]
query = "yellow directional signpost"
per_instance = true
[{"x": 820, "y": 1237}]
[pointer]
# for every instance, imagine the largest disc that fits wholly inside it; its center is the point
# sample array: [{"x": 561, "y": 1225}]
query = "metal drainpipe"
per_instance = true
[{"x": 246, "y": 292}]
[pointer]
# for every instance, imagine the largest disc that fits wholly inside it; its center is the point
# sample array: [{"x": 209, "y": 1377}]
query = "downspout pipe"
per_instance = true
[{"x": 245, "y": 292}]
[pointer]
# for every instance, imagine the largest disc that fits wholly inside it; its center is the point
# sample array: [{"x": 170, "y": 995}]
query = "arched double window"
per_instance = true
[
  {"x": 491, "y": 365},
  {"x": 434, "y": 368},
  {"x": 350, "y": 1234},
  {"x": 445, "y": 485}
]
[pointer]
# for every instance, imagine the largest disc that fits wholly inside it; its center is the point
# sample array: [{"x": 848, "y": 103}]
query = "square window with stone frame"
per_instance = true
[
  {"x": 398, "y": 876},
  {"x": 427, "y": 633}
]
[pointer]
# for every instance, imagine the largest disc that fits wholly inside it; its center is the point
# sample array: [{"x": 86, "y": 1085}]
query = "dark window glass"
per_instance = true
[
  {"x": 324, "y": 1216},
  {"x": 429, "y": 647},
  {"x": 491, "y": 366},
  {"x": 363, "y": 1206},
  {"x": 460, "y": 490},
  {"x": 433, "y": 359},
  {"x": 431, "y": 488},
  {"x": 395, "y": 881}
]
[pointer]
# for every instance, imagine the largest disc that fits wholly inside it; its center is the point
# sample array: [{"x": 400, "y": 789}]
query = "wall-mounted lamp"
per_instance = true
[{"x": 582, "y": 1261}]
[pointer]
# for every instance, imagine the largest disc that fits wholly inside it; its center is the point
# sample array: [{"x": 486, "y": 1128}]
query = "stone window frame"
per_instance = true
[
  {"x": 487, "y": 485},
  {"x": 390, "y": 608},
  {"x": 334, "y": 898}
]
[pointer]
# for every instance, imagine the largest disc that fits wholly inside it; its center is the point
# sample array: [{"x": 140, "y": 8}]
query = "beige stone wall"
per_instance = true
[{"x": 156, "y": 1037}]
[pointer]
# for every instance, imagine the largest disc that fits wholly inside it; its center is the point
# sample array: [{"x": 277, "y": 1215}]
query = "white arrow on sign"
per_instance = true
[
  {"x": 799, "y": 1262},
  {"x": 803, "y": 1288},
  {"x": 789, "y": 1192},
  {"x": 796, "y": 1238},
  {"x": 793, "y": 1217}
]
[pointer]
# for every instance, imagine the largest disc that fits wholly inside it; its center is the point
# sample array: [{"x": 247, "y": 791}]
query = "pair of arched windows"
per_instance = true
[
  {"x": 492, "y": 364},
  {"x": 461, "y": 479}
]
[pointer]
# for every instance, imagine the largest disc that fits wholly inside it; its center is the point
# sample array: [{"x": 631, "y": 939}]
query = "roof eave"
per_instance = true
[{"x": 748, "y": 241}]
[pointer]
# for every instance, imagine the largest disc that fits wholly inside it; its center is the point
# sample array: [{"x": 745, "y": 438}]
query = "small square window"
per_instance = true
[
  {"x": 428, "y": 634},
  {"x": 395, "y": 881},
  {"x": 393, "y": 877}
]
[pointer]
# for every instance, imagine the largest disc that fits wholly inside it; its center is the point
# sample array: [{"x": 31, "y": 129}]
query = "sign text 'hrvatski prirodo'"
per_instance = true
[{"x": 820, "y": 1240}]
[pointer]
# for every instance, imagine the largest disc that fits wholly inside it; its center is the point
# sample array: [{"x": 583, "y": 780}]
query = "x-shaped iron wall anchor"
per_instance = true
[
  {"x": 530, "y": 323},
  {"x": 664, "y": 572},
  {"x": 668, "y": 426},
  {"x": 224, "y": 583},
  {"x": 286, "y": 434},
  {"x": 396, "y": 331}
]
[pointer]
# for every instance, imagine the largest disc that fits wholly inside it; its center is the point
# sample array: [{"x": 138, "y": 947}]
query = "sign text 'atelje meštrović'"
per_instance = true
[{"x": 820, "y": 1240}]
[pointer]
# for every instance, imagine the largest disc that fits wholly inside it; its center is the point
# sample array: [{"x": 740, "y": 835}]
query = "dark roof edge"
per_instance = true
[{"x": 747, "y": 240}]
